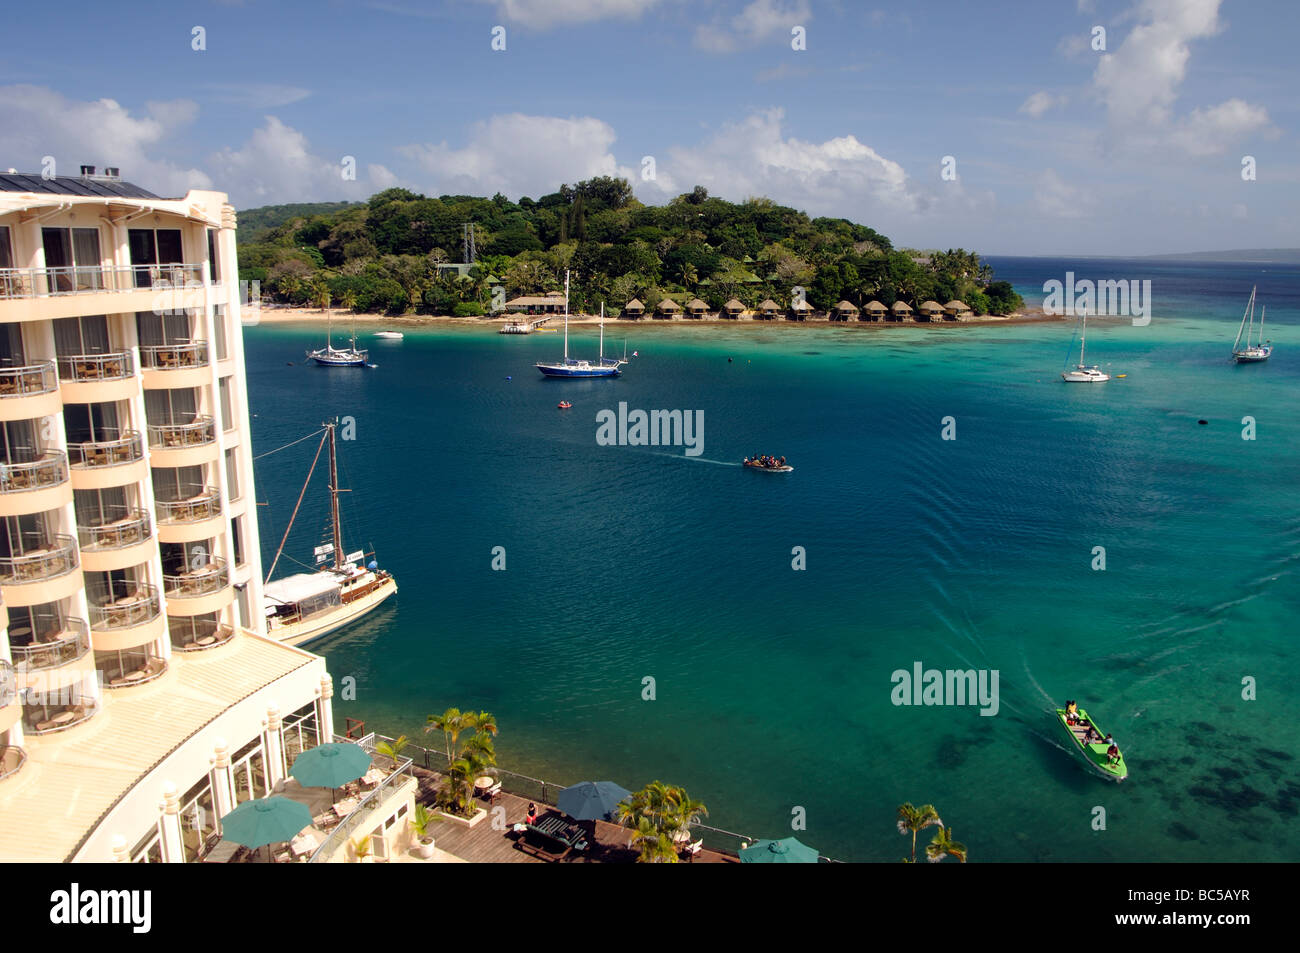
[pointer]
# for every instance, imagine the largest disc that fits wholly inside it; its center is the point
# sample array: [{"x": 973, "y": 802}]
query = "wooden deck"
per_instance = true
[{"x": 482, "y": 844}]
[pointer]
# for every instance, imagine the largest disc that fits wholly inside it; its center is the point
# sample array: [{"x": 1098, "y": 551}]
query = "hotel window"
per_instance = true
[
  {"x": 84, "y": 335},
  {"x": 214, "y": 274},
  {"x": 198, "y": 820},
  {"x": 249, "y": 768},
  {"x": 245, "y": 616},
  {"x": 175, "y": 406},
  {"x": 105, "y": 587},
  {"x": 21, "y": 534},
  {"x": 101, "y": 507},
  {"x": 44, "y": 622},
  {"x": 232, "y": 475},
  {"x": 156, "y": 330},
  {"x": 219, "y": 328},
  {"x": 72, "y": 258},
  {"x": 237, "y": 539},
  {"x": 12, "y": 352},
  {"x": 19, "y": 442},
  {"x": 151, "y": 247},
  {"x": 91, "y": 423},
  {"x": 149, "y": 849},
  {"x": 227, "y": 408},
  {"x": 6, "y": 248},
  {"x": 174, "y": 484}
]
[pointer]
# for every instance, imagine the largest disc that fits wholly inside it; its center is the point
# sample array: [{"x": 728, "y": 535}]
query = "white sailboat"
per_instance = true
[
  {"x": 1084, "y": 373},
  {"x": 1261, "y": 350},
  {"x": 331, "y": 356}
]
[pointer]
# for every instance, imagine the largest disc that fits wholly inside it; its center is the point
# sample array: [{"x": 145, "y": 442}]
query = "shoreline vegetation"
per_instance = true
[{"x": 697, "y": 255}]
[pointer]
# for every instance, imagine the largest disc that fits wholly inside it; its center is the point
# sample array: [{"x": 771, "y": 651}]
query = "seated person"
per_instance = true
[{"x": 1112, "y": 754}]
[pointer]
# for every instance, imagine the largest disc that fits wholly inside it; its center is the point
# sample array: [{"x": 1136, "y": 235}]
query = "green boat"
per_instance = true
[{"x": 1094, "y": 751}]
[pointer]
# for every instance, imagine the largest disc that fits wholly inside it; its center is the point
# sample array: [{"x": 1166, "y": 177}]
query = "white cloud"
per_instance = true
[
  {"x": 36, "y": 121},
  {"x": 1037, "y": 104},
  {"x": 276, "y": 165},
  {"x": 755, "y": 157},
  {"x": 542, "y": 14},
  {"x": 258, "y": 95},
  {"x": 1055, "y": 198},
  {"x": 1209, "y": 131},
  {"x": 757, "y": 22},
  {"x": 519, "y": 155}
]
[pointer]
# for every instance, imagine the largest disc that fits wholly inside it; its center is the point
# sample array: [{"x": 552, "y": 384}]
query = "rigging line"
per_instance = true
[
  {"x": 294, "y": 515},
  {"x": 287, "y": 445}
]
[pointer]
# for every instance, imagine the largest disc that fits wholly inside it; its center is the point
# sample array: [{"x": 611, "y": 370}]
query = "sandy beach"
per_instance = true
[{"x": 374, "y": 322}]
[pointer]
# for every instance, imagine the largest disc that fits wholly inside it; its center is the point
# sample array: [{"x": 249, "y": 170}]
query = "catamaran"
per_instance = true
[
  {"x": 1084, "y": 373},
  {"x": 1261, "y": 350},
  {"x": 571, "y": 367},
  {"x": 306, "y": 606},
  {"x": 331, "y": 356}
]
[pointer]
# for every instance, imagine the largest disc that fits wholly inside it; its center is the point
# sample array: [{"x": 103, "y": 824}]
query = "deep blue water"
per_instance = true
[{"x": 773, "y": 685}]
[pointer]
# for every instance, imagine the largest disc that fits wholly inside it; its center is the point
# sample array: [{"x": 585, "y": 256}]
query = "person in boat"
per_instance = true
[
  {"x": 781, "y": 462},
  {"x": 1112, "y": 754},
  {"x": 1071, "y": 712},
  {"x": 1091, "y": 735}
]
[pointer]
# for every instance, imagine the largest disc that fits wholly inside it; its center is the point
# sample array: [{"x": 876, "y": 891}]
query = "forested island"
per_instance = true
[{"x": 398, "y": 253}]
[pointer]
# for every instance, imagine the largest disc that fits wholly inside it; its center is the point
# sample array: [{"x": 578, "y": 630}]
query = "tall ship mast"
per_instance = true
[
  {"x": 572, "y": 367},
  {"x": 306, "y": 606}
]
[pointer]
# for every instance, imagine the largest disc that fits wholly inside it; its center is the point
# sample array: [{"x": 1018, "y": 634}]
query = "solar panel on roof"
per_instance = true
[{"x": 71, "y": 185}]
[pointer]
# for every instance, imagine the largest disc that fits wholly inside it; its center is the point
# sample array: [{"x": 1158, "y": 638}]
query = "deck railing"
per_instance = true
[
  {"x": 196, "y": 432},
  {"x": 28, "y": 381},
  {"x": 202, "y": 581},
  {"x": 204, "y": 504},
  {"x": 60, "y": 648},
  {"x": 50, "y": 470},
  {"x": 125, "y": 611},
  {"x": 127, "y": 448},
  {"x": 56, "y": 557},
  {"x": 364, "y": 810},
  {"x": 122, "y": 528},
  {"x": 170, "y": 357},
  {"x": 96, "y": 279},
  {"x": 96, "y": 367}
]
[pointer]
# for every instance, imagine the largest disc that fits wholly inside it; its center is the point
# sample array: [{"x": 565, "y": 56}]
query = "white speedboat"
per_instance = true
[
  {"x": 1084, "y": 373},
  {"x": 389, "y": 335}
]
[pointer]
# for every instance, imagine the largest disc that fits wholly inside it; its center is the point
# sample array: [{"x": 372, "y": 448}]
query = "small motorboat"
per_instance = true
[
  {"x": 1087, "y": 737},
  {"x": 768, "y": 464},
  {"x": 389, "y": 335},
  {"x": 564, "y": 405}
]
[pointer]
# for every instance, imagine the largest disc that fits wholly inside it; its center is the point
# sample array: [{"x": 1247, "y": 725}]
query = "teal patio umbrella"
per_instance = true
[
  {"x": 787, "y": 851},
  {"x": 591, "y": 800},
  {"x": 268, "y": 820},
  {"x": 330, "y": 765}
]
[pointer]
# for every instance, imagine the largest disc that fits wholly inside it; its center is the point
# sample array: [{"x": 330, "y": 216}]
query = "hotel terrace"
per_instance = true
[{"x": 140, "y": 700}]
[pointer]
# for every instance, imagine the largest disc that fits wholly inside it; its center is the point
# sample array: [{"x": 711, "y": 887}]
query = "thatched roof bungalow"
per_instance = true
[
  {"x": 634, "y": 309},
  {"x": 874, "y": 311},
  {"x": 902, "y": 311},
  {"x": 768, "y": 309},
  {"x": 844, "y": 311},
  {"x": 957, "y": 309},
  {"x": 931, "y": 310},
  {"x": 799, "y": 311},
  {"x": 695, "y": 308},
  {"x": 733, "y": 309},
  {"x": 667, "y": 308}
]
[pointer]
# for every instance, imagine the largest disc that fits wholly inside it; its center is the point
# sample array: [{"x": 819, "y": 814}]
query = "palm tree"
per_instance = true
[
  {"x": 348, "y": 300},
  {"x": 689, "y": 274},
  {"x": 914, "y": 819},
  {"x": 320, "y": 295},
  {"x": 451, "y": 723},
  {"x": 944, "y": 846},
  {"x": 393, "y": 749},
  {"x": 654, "y": 845}
]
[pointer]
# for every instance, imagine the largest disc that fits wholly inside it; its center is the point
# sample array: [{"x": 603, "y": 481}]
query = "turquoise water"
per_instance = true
[{"x": 773, "y": 686}]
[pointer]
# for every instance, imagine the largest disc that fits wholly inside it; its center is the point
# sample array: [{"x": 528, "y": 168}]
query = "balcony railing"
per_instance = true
[
  {"x": 29, "y": 381},
  {"x": 115, "y": 531},
  {"x": 202, "y": 580},
  {"x": 127, "y": 448},
  {"x": 96, "y": 367},
  {"x": 147, "y": 671},
  {"x": 6, "y": 683},
  {"x": 12, "y": 759},
  {"x": 50, "y": 470},
  {"x": 170, "y": 357},
  {"x": 42, "y": 719},
  {"x": 126, "y": 611},
  {"x": 205, "y": 504},
  {"x": 198, "y": 634},
  {"x": 57, "y": 557},
  {"x": 199, "y": 431},
  {"x": 53, "y": 648},
  {"x": 96, "y": 279}
]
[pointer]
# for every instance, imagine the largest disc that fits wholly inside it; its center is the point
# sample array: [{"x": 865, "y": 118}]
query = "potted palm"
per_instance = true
[
  {"x": 361, "y": 847},
  {"x": 421, "y": 823}
]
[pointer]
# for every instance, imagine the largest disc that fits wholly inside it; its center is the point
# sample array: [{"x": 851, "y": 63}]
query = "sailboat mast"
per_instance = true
[
  {"x": 1083, "y": 338},
  {"x": 602, "y": 332},
  {"x": 1262, "y": 311},
  {"x": 334, "y": 500},
  {"x": 566, "y": 316},
  {"x": 1250, "y": 309}
]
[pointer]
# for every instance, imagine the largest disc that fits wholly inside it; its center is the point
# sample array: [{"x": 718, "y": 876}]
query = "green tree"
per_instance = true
[
  {"x": 912, "y": 819},
  {"x": 943, "y": 845}
]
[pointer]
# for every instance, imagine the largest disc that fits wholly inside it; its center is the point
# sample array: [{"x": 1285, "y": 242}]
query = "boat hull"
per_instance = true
[
  {"x": 784, "y": 469},
  {"x": 322, "y": 624},
  {"x": 1253, "y": 356},
  {"x": 325, "y": 360},
  {"x": 560, "y": 370},
  {"x": 1083, "y": 377},
  {"x": 1095, "y": 752}
]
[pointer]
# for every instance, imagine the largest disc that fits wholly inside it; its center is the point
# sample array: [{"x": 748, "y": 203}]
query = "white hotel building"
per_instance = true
[{"x": 139, "y": 697}]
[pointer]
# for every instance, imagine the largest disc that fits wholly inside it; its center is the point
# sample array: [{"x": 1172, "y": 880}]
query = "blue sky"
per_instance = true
[{"x": 1058, "y": 148}]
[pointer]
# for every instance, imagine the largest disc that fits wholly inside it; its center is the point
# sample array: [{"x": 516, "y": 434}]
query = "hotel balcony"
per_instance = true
[
  {"x": 12, "y": 759},
  {"x": 198, "y": 634},
  {"x": 126, "y": 621},
  {"x": 184, "y": 444},
  {"x": 38, "y": 294},
  {"x": 191, "y": 519},
  {"x": 126, "y": 668},
  {"x": 10, "y": 709},
  {"x": 54, "y": 659},
  {"x": 200, "y": 590},
  {"x": 50, "y": 715},
  {"x": 34, "y": 486},
  {"x": 29, "y": 392},
  {"x": 104, "y": 463},
  {"x": 119, "y": 540},
  {"x": 42, "y": 574},
  {"x": 97, "y": 378},
  {"x": 169, "y": 366}
]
